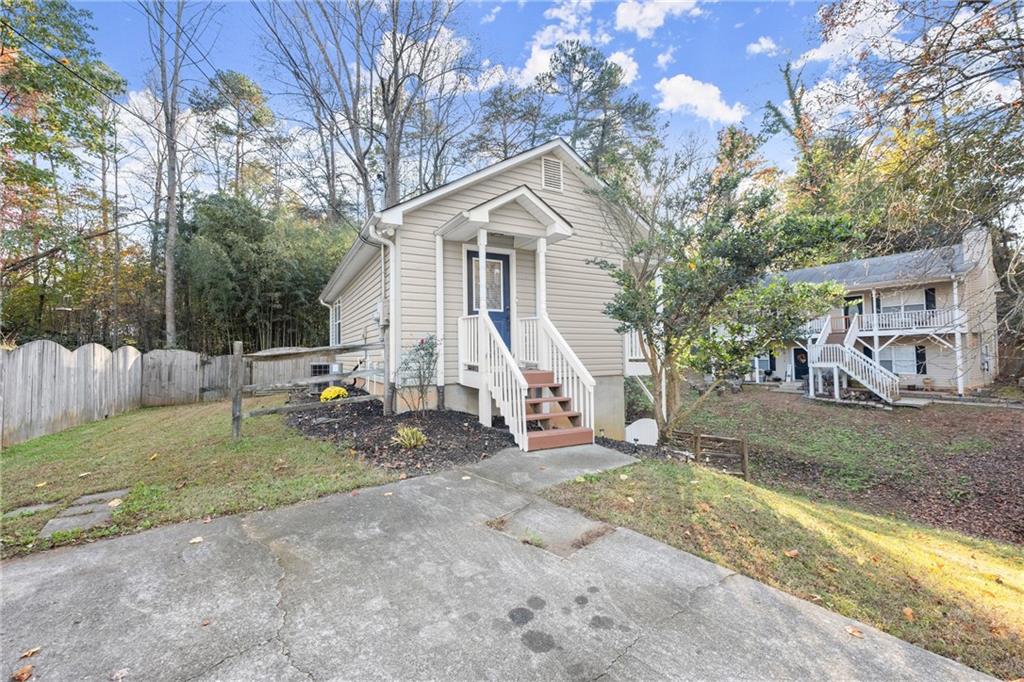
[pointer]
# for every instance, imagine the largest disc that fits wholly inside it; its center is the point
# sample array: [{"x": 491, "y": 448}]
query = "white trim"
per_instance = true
[
  {"x": 439, "y": 306},
  {"x": 464, "y": 225},
  {"x": 512, "y": 285},
  {"x": 558, "y": 146}
]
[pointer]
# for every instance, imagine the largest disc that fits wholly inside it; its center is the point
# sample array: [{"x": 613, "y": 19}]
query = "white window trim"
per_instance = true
[{"x": 544, "y": 160}]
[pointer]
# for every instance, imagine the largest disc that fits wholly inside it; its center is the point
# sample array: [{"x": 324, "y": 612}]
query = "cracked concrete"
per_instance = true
[{"x": 407, "y": 581}]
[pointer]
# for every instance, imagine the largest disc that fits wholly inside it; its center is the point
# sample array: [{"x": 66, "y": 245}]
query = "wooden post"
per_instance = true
[
  {"x": 744, "y": 462},
  {"x": 236, "y": 391},
  {"x": 696, "y": 447}
]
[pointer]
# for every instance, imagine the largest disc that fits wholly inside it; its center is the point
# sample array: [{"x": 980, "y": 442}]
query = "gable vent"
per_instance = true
[{"x": 551, "y": 173}]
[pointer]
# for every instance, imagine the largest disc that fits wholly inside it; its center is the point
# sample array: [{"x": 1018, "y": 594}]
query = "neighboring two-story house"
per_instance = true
[{"x": 924, "y": 319}]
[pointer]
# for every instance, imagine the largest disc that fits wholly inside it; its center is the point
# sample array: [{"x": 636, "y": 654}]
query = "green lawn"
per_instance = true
[
  {"x": 955, "y": 595},
  {"x": 179, "y": 463}
]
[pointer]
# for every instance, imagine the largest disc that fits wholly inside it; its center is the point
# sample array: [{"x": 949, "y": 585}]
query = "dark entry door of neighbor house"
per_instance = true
[
  {"x": 799, "y": 363},
  {"x": 499, "y": 291}
]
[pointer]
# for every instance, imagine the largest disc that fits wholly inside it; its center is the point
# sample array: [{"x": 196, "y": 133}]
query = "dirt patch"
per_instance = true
[{"x": 453, "y": 438}]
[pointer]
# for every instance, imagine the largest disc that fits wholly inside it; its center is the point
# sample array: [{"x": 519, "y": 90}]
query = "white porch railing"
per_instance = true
[
  {"x": 852, "y": 330},
  {"x": 576, "y": 381},
  {"x": 527, "y": 346},
  {"x": 814, "y": 327},
  {"x": 865, "y": 370},
  {"x": 469, "y": 341},
  {"x": 634, "y": 353},
  {"x": 506, "y": 382},
  {"x": 911, "y": 319}
]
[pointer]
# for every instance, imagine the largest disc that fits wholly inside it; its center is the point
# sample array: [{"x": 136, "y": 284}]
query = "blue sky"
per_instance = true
[{"x": 719, "y": 60}]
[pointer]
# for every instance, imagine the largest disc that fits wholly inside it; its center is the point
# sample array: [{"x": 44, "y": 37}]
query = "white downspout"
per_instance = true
[
  {"x": 439, "y": 315},
  {"x": 390, "y": 341}
]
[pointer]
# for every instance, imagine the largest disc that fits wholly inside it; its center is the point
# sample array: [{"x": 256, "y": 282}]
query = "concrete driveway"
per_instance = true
[{"x": 409, "y": 581}]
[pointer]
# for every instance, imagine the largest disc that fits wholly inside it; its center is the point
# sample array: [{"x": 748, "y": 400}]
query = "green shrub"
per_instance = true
[{"x": 409, "y": 437}]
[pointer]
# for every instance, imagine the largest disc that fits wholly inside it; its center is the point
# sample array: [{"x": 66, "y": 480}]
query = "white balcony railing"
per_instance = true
[
  {"x": 911, "y": 319},
  {"x": 633, "y": 351}
]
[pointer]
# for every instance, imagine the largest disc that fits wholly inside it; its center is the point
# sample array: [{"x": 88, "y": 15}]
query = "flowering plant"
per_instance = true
[{"x": 333, "y": 393}]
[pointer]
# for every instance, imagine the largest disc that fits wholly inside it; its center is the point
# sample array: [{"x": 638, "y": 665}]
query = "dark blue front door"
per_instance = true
[{"x": 499, "y": 291}]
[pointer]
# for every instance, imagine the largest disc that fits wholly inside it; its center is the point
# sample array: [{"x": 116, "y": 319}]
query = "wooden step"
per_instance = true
[
  {"x": 547, "y": 416},
  {"x": 538, "y": 376},
  {"x": 544, "y": 384},
  {"x": 548, "y": 399},
  {"x": 559, "y": 438}
]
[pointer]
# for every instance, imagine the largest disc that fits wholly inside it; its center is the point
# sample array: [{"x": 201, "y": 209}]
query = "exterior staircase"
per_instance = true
[
  {"x": 837, "y": 350},
  {"x": 550, "y": 418}
]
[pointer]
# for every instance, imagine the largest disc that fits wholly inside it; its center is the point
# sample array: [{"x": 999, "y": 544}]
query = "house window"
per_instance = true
[
  {"x": 336, "y": 324},
  {"x": 495, "y": 284},
  {"x": 899, "y": 359},
  {"x": 319, "y": 369},
  {"x": 903, "y": 301},
  {"x": 551, "y": 173}
]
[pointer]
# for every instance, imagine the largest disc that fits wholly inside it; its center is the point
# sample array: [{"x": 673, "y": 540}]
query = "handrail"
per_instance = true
[
  {"x": 569, "y": 370},
  {"x": 527, "y": 346},
  {"x": 913, "y": 319},
  {"x": 852, "y": 329},
  {"x": 884, "y": 383},
  {"x": 506, "y": 383}
]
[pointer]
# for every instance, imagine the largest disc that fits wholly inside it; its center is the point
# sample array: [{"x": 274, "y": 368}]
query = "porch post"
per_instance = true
[
  {"x": 958, "y": 341},
  {"x": 439, "y": 314},
  {"x": 812, "y": 373},
  {"x": 542, "y": 277},
  {"x": 484, "y": 394},
  {"x": 835, "y": 382},
  {"x": 874, "y": 323}
]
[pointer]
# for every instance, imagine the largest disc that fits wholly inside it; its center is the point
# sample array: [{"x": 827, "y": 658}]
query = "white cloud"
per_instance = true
[
  {"x": 665, "y": 58},
  {"x": 624, "y": 60},
  {"x": 492, "y": 15},
  {"x": 871, "y": 29},
  {"x": 763, "y": 45},
  {"x": 644, "y": 17},
  {"x": 683, "y": 93},
  {"x": 572, "y": 21}
]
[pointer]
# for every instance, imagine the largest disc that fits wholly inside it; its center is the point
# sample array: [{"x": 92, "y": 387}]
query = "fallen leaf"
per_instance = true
[
  {"x": 119, "y": 675},
  {"x": 196, "y": 540},
  {"x": 629, "y": 499},
  {"x": 831, "y": 568},
  {"x": 40, "y": 485},
  {"x": 792, "y": 553},
  {"x": 22, "y": 673},
  {"x": 206, "y": 621},
  {"x": 388, "y": 494},
  {"x": 623, "y": 477},
  {"x": 466, "y": 478},
  {"x": 703, "y": 507},
  {"x": 29, "y": 653},
  {"x": 908, "y": 613},
  {"x": 116, "y": 502},
  {"x": 154, "y": 456},
  {"x": 84, "y": 474},
  {"x": 580, "y": 479},
  {"x": 855, "y": 632},
  {"x": 207, "y": 519}
]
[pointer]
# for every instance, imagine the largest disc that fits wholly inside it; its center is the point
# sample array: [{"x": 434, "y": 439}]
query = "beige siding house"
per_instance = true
[
  {"x": 518, "y": 235},
  {"x": 924, "y": 319}
]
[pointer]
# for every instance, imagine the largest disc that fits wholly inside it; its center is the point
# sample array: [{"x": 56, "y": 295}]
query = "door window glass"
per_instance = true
[{"x": 495, "y": 283}]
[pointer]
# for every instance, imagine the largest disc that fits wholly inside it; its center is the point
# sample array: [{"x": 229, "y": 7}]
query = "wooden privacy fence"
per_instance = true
[
  {"x": 46, "y": 388},
  {"x": 707, "y": 447}
]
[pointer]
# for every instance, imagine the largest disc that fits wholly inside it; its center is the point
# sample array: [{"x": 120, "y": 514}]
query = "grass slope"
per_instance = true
[
  {"x": 179, "y": 463},
  {"x": 952, "y": 594}
]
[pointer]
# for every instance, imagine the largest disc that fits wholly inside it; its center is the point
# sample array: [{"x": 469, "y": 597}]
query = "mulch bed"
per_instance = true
[{"x": 453, "y": 438}]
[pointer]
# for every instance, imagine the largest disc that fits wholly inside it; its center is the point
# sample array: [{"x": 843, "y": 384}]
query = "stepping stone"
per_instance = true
[
  {"x": 101, "y": 497},
  {"x": 75, "y": 522},
  {"x": 77, "y": 509},
  {"x": 30, "y": 509}
]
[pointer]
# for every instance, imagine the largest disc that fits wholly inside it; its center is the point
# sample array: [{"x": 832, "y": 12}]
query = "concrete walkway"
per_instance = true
[{"x": 425, "y": 579}]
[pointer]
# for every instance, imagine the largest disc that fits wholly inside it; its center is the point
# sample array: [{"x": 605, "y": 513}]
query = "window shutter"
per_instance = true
[
  {"x": 929, "y": 298},
  {"x": 920, "y": 358},
  {"x": 551, "y": 173}
]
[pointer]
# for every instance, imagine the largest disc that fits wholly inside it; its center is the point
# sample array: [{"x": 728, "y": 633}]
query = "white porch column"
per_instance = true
[
  {"x": 757, "y": 375},
  {"x": 439, "y": 314},
  {"x": 484, "y": 399},
  {"x": 542, "y": 277},
  {"x": 835, "y": 382},
  {"x": 811, "y": 374},
  {"x": 874, "y": 324},
  {"x": 958, "y": 340}
]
